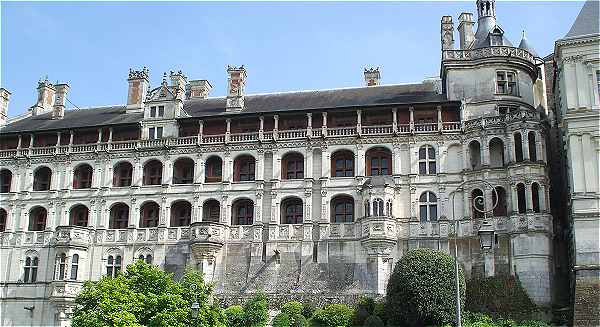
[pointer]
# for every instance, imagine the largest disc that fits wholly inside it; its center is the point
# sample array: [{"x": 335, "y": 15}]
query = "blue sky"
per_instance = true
[{"x": 284, "y": 46}]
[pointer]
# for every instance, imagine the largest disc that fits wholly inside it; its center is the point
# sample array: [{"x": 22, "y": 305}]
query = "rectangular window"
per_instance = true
[
  {"x": 152, "y": 111},
  {"x": 151, "y": 133},
  {"x": 506, "y": 83},
  {"x": 159, "y": 132},
  {"x": 598, "y": 81},
  {"x": 161, "y": 111}
]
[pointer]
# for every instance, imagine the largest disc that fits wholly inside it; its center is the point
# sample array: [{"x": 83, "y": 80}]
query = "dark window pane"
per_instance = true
[
  {"x": 422, "y": 168},
  {"x": 423, "y": 213}
]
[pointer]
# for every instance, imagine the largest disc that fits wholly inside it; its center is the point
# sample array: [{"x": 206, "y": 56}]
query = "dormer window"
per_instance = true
[
  {"x": 157, "y": 111},
  {"x": 496, "y": 37},
  {"x": 506, "y": 83},
  {"x": 155, "y": 133}
]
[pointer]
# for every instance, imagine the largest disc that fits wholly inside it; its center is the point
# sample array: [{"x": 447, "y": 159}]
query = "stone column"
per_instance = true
[
  {"x": 411, "y": 111},
  {"x": 307, "y": 212},
  {"x": 167, "y": 172},
  {"x": 324, "y": 125},
  {"x": 466, "y": 156},
  {"x": 228, "y": 130},
  {"x": 226, "y": 207},
  {"x": 276, "y": 165},
  {"x": 227, "y": 168},
  {"x": 309, "y": 125},
  {"x": 439, "y": 118},
  {"x": 108, "y": 174},
  {"x": 138, "y": 173},
  {"x": 514, "y": 208},
  {"x": 590, "y": 163},
  {"x": 199, "y": 167},
  {"x": 358, "y": 122},
  {"x": 395, "y": 120},
  {"x": 97, "y": 174},
  {"x": 325, "y": 162},
  {"x": 198, "y": 210},
  {"x": 67, "y": 180},
  {"x": 134, "y": 214},
  {"x": 275, "y": 219},
  {"x": 485, "y": 152},
  {"x": 261, "y": 127},
  {"x": 276, "y": 127},
  {"x": 529, "y": 196},
  {"x": 542, "y": 194},
  {"x": 166, "y": 214},
  {"x": 308, "y": 163},
  {"x": 200, "y": 131}
]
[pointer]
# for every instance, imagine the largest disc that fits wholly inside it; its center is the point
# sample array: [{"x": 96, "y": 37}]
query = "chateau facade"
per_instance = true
[{"x": 311, "y": 195}]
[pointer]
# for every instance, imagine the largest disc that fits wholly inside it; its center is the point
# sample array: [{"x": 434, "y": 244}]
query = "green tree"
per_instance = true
[
  {"x": 282, "y": 320},
  {"x": 256, "y": 311},
  {"x": 144, "y": 295},
  {"x": 421, "y": 289},
  {"x": 332, "y": 315},
  {"x": 235, "y": 316}
]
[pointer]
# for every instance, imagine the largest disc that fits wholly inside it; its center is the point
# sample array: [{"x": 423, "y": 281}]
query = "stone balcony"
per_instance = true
[
  {"x": 72, "y": 236},
  {"x": 206, "y": 239},
  {"x": 378, "y": 235}
]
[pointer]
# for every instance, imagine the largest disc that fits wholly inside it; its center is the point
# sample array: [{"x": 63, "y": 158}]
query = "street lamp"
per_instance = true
[
  {"x": 486, "y": 233},
  {"x": 195, "y": 306}
]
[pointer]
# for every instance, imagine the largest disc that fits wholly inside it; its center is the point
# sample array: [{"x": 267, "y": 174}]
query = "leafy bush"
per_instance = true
[
  {"x": 282, "y": 320},
  {"x": 421, "y": 289},
  {"x": 471, "y": 319},
  {"x": 300, "y": 321},
  {"x": 364, "y": 308},
  {"x": 308, "y": 309},
  {"x": 373, "y": 321},
  {"x": 256, "y": 311},
  {"x": 294, "y": 311},
  {"x": 332, "y": 315},
  {"x": 145, "y": 295},
  {"x": 235, "y": 316},
  {"x": 500, "y": 296}
]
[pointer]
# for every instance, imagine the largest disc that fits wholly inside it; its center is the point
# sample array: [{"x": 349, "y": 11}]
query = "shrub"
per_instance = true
[
  {"x": 294, "y": 311},
  {"x": 364, "y": 308},
  {"x": 474, "y": 319},
  {"x": 308, "y": 309},
  {"x": 373, "y": 321},
  {"x": 332, "y": 315},
  {"x": 300, "y": 321},
  {"x": 235, "y": 316},
  {"x": 500, "y": 296},
  {"x": 421, "y": 289},
  {"x": 282, "y": 320},
  {"x": 256, "y": 311}
]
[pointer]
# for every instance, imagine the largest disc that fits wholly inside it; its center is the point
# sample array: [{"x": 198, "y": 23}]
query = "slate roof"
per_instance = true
[
  {"x": 526, "y": 45},
  {"x": 257, "y": 103},
  {"x": 588, "y": 20}
]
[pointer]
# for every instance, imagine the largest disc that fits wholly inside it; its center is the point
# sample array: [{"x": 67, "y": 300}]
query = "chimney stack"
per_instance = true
[
  {"x": 447, "y": 33},
  {"x": 465, "y": 30},
  {"x": 58, "y": 111},
  {"x": 199, "y": 89},
  {"x": 178, "y": 81},
  {"x": 138, "y": 87},
  {"x": 4, "y": 98},
  {"x": 372, "y": 76},
  {"x": 45, "y": 98},
  {"x": 236, "y": 86}
]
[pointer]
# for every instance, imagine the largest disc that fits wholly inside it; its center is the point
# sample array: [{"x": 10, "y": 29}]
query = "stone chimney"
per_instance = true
[
  {"x": 236, "y": 86},
  {"x": 58, "y": 111},
  {"x": 138, "y": 87},
  {"x": 4, "y": 98},
  {"x": 372, "y": 76},
  {"x": 199, "y": 89},
  {"x": 465, "y": 30},
  {"x": 45, "y": 98},
  {"x": 447, "y": 33},
  {"x": 178, "y": 81}
]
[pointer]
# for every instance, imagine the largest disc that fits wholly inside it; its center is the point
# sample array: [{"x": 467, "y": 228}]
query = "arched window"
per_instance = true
[
  {"x": 427, "y": 163},
  {"x": 214, "y": 170},
  {"x": 521, "y": 201},
  {"x": 532, "y": 148},
  {"x": 342, "y": 164},
  {"x": 518, "y": 147},
  {"x": 243, "y": 212},
  {"x": 181, "y": 214},
  {"x": 389, "y": 208},
  {"x": 119, "y": 216},
  {"x": 149, "y": 213},
  {"x": 5, "y": 180},
  {"x": 82, "y": 176},
  {"x": 428, "y": 207},
  {"x": 477, "y": 203},
  {"x": 475, "y": 153},
  {"x": 244, "y": 168},
  {"x": 153, "y": 172},
  {"x": 293, "y": 166},
  {"x": 41, "y": 179},
  {"x": 500, "y": 209},
  {"x": 79, "y": 216},
  {"x": 535, "y": 196},
  {"x": 367, "y": 208},
  {"x": 342, "y": 209},
  {"x": 496, "y": 149},
  {"x": 379, "y": 162},
  {"x": 122, "y": 174},
  {"x": 62, "y": 267},
  {"x": 37, "y": 219},
  {"x": 147, "y": 259},
  {"x": 291, "y": 211},
  {"x": 183, "y": 171},
  {"x": 30, "y": 270},
  {"x": 211, "y": 211},
  {"x": 378, "y": 207},
  {"x": 3, "y": 219},
  {"x": 74, "y": 266},
  {"x": 113, "y": 265}
]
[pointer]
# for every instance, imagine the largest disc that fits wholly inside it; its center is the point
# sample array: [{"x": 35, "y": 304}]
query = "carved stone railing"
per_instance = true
[
  {"x": 290, "y": 232},
  {"x": 377, "y": 130},
  {"x": 501, "y": 120},
  {"x": 428, "y": 229},
  {"x": 206, "y": 239},
  {"x": 378, "y": 235},
  {"x": 64, "y": 290},
  {"x": 488, "y": 52},
  {"x": 72, "y": 236}
]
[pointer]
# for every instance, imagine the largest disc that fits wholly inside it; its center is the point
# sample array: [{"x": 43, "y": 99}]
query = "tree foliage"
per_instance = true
[
  {"x": 144, "y": 295},
  {"x": 333, "y": 315},
  {"x": 256, "y": 311},
  {"x": 421, "y": 289}
]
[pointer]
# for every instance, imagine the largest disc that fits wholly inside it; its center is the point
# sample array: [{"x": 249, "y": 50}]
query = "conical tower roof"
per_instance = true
[{"x": 525, "y": 45}]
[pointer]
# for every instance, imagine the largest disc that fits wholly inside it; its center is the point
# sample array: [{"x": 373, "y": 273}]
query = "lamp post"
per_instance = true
[
  {"x": 195, "y": 306},
  {"x": 486, "y": 233}
]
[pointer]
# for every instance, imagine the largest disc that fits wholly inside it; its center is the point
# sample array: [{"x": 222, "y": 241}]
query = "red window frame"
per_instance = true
[
  {"x": 293, "y": 166},
  {"x": 342, "y": 210},
  {"x": 245, "y": 169},
  {"x": 342, "y": 164},
  {"x": 79, "y": 216},
  {"x": 214, "y": 170},
  {"x": 153, "y": 173},
  {"x": 292, "y": 212},
  {"x": 379, "y": 162},
  {"x": 244, "y": 213},
  {"x": 122, "y": 174},
  {"x": 82, "y": 177},
  {"x": 211, "y": 211},
  {"x": 41, "y": 179},
  {"x": 181, "y": 214},
  {"x": 119, "y": 216},
  {"x": 183, "y": 171},
  {"x": 37, "y": 219}
]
